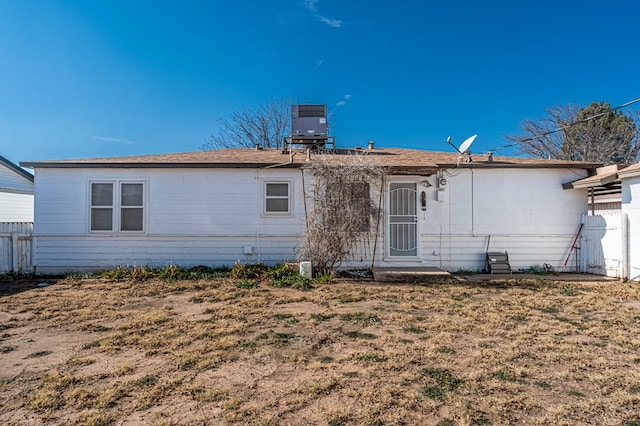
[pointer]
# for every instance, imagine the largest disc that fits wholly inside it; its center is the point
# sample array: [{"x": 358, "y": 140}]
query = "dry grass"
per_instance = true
[{"x": 94, "y": 352}]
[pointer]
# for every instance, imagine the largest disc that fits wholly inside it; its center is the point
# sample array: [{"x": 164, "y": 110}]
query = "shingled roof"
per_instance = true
[{"x": 399, "y": 160}]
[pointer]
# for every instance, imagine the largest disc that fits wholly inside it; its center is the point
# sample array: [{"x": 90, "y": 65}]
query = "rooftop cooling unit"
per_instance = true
[{"x": 309, "y": 122}]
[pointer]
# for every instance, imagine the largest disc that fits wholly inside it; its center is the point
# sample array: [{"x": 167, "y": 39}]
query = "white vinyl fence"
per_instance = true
[
  {"x": 15, "y": 247},
  {"x": 603, "y": 250}
]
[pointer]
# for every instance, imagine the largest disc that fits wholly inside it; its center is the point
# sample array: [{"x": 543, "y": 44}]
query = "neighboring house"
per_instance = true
[
  {"x": 610, "y": 243},
  {"x": 16, "y": 193},
  {"x": 218, "y": 207},
  {"x": 630, "y": 178},
  {"x": 604, "y": 190}
]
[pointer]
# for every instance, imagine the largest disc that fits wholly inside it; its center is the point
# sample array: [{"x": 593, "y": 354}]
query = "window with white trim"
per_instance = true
[
  {"x": 101, "y": 206},
  {"x": 131, "y": 207},
  {"x": 277, "y": 198},
  {"x": 117, "y": 206}
]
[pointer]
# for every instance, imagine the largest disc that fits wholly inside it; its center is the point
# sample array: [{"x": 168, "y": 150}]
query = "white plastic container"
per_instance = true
[{"x": 306, "y": 270}]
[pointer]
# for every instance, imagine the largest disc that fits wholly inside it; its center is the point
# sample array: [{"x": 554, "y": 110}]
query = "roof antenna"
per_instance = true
[
  {"x": 449, "y": 139},
  {"x": 465, "y": 146}
]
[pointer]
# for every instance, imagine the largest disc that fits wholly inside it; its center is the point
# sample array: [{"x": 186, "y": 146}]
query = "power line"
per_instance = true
[{"x": 584, "y": 120}]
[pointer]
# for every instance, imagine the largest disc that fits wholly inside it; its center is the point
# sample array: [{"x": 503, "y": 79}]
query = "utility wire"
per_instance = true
[{"x": 584, "y": 120}]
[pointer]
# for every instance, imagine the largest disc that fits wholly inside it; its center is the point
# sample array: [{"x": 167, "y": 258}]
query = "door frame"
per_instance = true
[{"x": 387, "y": 244}]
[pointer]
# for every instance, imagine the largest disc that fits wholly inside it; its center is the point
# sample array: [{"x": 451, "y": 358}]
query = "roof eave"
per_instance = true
[
  {"x": 81, "y": 165},
  {"x": 25, "y": 174},
  {"x": 505, "y": 165},
  {"x": 629, "y": 174},
  {"x": 592, "y": 181}
]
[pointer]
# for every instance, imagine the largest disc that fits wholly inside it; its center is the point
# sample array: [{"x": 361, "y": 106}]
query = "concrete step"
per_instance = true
[{"x": 410, "y": 274}]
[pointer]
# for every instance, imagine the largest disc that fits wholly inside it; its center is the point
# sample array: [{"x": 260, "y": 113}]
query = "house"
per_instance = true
[
  {"x": 217, "y": 207},
  {"x": 610, "y": 238},
  {"x": 630, "y": 180},
  {"x": 16, "y": 193}
]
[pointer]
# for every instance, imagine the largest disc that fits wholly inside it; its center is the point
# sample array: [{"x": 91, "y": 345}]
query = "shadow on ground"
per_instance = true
[{"x": 17, "y": 283}]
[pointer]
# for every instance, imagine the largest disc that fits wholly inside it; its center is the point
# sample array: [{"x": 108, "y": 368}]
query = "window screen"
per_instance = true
[
  {"x": 131, "y": 211},
  {"x": 277, "y": 197},
  {"x": 101, "y": 206}
]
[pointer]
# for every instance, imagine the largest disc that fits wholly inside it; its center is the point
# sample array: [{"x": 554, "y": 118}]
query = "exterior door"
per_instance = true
[{"x": 403, "y": 220}]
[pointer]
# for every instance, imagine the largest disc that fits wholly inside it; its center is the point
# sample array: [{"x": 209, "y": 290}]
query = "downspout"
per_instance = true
[
  {"x": 473, "y": 216},
  {"x": 304, "y": 200},
  {"x": 258, "y": 217}
]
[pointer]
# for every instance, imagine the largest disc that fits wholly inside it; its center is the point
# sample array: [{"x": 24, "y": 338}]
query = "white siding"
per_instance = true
[
  {"x": 523, "y": 211},
  {"x": 631, "y": 206},
  {"x": 207, "y": 216},
  {"x": 10, "y": 179},
  {"x": 15, "y": 207},
  {"x": 16, "y": 196},
  {"x": 193, "y": 217},
  {"x": 89, "y": 253}
]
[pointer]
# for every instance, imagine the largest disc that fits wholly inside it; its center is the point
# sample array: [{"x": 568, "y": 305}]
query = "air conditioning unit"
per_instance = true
[{"x": 309, "y": 121}]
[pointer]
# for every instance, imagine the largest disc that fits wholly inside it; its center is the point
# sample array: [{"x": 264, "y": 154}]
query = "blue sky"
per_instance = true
[{"x": 97, "y": 78}]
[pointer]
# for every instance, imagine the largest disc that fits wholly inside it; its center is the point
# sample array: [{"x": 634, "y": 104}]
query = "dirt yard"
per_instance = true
[{"x": 96, "y": 352}]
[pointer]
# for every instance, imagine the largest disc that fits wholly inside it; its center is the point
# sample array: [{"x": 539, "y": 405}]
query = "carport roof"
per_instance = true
[
  {"x": 630, "y": 171},
  {"x": 605, "y": 176}
]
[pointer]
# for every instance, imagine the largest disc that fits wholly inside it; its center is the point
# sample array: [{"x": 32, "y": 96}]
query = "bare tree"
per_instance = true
[
  {"x": 343, "y": 212},
  {"x": 595, "y": 133},
  {"x": 266, "y": 125}
]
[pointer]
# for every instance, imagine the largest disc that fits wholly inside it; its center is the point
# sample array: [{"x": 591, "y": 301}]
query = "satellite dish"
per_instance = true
[{"x": 466, "y": 145}]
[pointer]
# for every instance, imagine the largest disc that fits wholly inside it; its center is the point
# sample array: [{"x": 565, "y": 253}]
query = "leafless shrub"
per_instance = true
[{"x": 343, "y": 211}]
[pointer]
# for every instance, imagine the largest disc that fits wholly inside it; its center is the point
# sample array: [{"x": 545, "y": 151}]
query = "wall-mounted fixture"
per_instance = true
[{"x": 423, "y": 200}]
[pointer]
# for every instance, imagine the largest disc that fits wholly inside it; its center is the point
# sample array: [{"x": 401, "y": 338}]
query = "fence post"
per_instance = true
[{"x": 14, "y": 251}]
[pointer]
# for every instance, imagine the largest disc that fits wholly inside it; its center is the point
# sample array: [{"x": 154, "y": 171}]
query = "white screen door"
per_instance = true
[{"x": 403, "y": 220}]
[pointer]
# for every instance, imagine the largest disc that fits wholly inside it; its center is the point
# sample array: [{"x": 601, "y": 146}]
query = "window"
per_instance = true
[
  {"x": 117, "y": 206},
  {"x": 277, "y": 197},
  {"x": 101, "y": 206},
  {"x": 351, "y": 201},
  {"x": 360, "y": 191},
  {"x": 131, "y": 207}
]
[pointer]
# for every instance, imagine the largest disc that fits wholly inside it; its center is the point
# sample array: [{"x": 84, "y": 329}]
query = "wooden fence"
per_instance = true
[{"x": 16, "y": 251}]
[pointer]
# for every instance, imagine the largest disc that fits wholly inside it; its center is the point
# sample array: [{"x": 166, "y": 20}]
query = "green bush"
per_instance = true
[
  {"x": 283, "y": 276},
  {"x": 172, "y": 273},
  {"x": 324, "y": 278},
  {"x": 245, "y": 283},
  {"x": 301, "y": 282},
  {"x": 248, "y": 271},
  {"x": 119, "y": 273},
  {"x": 168, "y": 273}
]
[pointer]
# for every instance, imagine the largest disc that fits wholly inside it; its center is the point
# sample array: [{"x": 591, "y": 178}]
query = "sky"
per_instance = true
[{"x": 95, "y": 78}]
